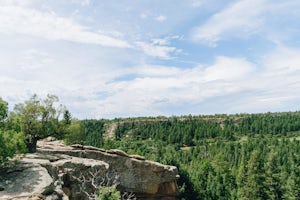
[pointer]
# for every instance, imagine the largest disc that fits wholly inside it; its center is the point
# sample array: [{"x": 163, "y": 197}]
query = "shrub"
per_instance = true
[
  {"x": 108, "y": 193},
  {"x": 11, "y": 143}
]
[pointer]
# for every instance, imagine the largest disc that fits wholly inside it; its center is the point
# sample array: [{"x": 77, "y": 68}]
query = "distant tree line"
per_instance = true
[{"x": 192, "y": 130}]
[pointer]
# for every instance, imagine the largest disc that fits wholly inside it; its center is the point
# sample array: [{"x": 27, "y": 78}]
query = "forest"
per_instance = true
[{"x": 240, "y": 156}]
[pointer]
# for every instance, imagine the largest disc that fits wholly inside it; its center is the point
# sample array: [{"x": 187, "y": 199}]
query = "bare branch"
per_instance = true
[
  {"x": 128, "y": 196},
  {"x": 94, "y": 180}
]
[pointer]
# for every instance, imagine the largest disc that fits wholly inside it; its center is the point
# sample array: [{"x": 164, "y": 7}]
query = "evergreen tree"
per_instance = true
[
  {"x": 273, "y": 182},
  {"x": 254, "y": 186}
]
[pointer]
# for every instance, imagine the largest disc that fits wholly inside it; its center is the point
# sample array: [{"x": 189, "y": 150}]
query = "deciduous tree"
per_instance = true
[{"x": 39, "y": 118}]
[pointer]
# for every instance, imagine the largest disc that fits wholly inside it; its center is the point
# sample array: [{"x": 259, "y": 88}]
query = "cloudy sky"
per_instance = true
[{"x": 107, "y": 59}]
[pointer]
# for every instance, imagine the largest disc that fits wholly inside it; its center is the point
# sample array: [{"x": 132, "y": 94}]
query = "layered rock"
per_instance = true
[{"x": 65, "y": 167}]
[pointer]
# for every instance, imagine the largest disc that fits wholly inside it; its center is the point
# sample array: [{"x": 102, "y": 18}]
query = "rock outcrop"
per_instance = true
[{"x": 57, "y": 171}]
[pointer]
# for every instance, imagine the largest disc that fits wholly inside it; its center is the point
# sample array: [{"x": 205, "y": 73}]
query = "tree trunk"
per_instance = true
[{"x": 31, "y": 143}]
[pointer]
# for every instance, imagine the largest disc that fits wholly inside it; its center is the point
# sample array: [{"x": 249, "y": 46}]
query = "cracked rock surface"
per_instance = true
[{"x": 56, "y": 171}]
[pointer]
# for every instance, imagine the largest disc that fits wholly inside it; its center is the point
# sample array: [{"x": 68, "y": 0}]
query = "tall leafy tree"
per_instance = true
[{"x": 39, "y": 118}]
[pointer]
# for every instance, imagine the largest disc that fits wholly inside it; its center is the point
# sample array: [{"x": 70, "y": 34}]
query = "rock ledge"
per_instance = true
[{"x": 55, "y": 171}]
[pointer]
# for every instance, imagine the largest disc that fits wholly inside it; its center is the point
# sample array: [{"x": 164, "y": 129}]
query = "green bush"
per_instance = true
[
  {"x": 108, "y": 193},
  {"x": 74, "y": 133},
  {"x": 11, "y": 143}
]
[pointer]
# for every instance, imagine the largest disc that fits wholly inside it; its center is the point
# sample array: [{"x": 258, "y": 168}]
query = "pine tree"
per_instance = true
[
  {"x": 254, "y": 186},
  {"x": 292, "y": 188},
  {"x": 241, "y": 175},
  {"x": 273, "y": 182}
]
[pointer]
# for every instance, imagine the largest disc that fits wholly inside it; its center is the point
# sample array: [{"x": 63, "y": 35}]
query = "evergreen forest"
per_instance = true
[{"x": 242, "y": 156}]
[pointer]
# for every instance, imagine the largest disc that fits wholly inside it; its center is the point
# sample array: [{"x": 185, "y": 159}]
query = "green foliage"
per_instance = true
[
  {"x": 67, "y": 117},
  {"x": 11, "y": 143},
  {"x": 108, "y": 193},
  {"x": 243, "y": 156},
  {"x": 74, "y": 133},
  {"x": 93, "y": 131},
  {"x": 254, "y": 186},
  {"x": 86, "y": 132},
  {"x": 11, "y": 139},
  {"x": 40, "y": 118},
  {"x": 13, "y": 122},
  {"x": 273, "y": 183},
  {"x": 3, "y": 109},
  {"x": 32, "y": 120}
]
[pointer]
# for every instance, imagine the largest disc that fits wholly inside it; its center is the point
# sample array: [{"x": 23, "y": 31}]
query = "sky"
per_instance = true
[{"x": 130, "y": 58}]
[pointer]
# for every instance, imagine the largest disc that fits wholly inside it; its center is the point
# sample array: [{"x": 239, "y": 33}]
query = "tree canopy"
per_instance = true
[
  {"x": 3, "y": 109},
  {"x": 11, "y": 141},
  {"x": 35, "y": 119},
  {"x": 40, "y": 118}
]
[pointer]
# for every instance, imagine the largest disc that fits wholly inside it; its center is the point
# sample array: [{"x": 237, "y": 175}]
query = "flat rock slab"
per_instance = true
[{"x": 27, "y": 179}]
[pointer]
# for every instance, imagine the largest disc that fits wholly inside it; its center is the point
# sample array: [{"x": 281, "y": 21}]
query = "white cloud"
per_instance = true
[
  {"x": 50, "y": 26},
  {"x": 243, "y": 16},
  {"x": 161, "y": 18},
  {"x": 229, "y": 69},
  {"x": 16, "y": 2},
  {"x": 149, "y": 15},
  {"x": 156, "y": 71},
  {"x": 160, "y": 41},
  {"x": 276, "y": 87},
  {"x": 275, "y": 21},
  {"x": 82, "y": 2},
  {"x": 198, "y": 3},
  {"x": 95, "y": 81},
  {"x": 32, "y": 59},
  {"x": 282, "y": 60},
  {"x": 233, "y": 84},
  {"x": 157, "y": 87},
  {"x": 159, "y": 51}
]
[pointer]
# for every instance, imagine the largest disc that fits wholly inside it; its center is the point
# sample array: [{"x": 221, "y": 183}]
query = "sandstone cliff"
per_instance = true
[{"x": 57, "y": 171}]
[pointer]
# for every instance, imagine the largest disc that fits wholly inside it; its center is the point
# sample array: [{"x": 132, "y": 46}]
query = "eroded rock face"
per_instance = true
[{"x": 57, "y": 171}]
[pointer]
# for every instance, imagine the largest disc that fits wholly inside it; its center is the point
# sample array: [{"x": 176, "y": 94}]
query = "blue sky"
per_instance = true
[{"x": 107, "y": 59}]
